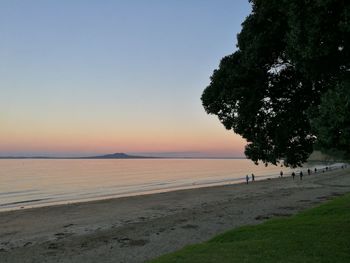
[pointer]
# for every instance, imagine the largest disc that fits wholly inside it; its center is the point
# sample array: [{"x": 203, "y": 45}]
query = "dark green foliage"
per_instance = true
[
  {"x": 289, "y": 54},
  {"x": 321, "y": 234},
  {"x": 333, "y": 123}
]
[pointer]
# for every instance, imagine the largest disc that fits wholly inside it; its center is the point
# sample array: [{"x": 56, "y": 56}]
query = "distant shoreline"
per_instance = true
[
  {"x": 118, "y": 156},
  {"x": 314, "y": 158},
  {"x": 131, "y": 157}
]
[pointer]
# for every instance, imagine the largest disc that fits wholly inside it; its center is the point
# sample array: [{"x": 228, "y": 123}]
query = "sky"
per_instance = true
[{"x": 92, "y": 77}]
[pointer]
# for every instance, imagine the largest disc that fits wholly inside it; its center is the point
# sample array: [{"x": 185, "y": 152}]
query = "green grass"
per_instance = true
[{"x": 321, "y": 234}]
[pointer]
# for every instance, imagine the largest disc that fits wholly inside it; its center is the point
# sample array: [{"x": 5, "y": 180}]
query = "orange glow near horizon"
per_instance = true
[{"x": 213, "y": 140}]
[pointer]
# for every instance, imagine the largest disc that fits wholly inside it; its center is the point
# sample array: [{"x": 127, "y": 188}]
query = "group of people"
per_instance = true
[
  {"x": 247, "y": 178},
  {"x": 309, "y": 172},
  {"x": 301, "y": 174}
]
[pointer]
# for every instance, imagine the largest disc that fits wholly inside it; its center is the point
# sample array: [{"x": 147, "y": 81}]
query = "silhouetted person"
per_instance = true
[
  {"x": 253, "y": 178},
  {"x": 247, "y": 178},
  {"x": 315, "y": 170},
  {"x": 308, "y": 171},
  {"x": 281, "y": 174},
  {"x": 301, "y": 175},
  {"x": 293, "y": 175}
]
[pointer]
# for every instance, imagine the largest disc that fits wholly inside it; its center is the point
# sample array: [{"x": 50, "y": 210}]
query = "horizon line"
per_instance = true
[{"x": 119, "y": 155}]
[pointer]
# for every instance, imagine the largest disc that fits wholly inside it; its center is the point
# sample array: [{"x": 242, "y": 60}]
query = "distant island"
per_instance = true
[{"x": 118, "y": 156}]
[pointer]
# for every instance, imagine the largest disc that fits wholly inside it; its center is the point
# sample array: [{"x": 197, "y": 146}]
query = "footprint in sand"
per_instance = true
[
  {"x": 127, "y": 242},
  {"x": 62, "y": 235},
  {"x": 53, "y": 246},
  {"x": 189, "y": 226},
  {"x": 304, "y": 201},
  {"x": 27, "y": 244},
  {"x": 261, "y": 217}
]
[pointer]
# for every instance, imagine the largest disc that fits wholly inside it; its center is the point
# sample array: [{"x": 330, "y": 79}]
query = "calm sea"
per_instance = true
[{"x": 33, "y": 182}]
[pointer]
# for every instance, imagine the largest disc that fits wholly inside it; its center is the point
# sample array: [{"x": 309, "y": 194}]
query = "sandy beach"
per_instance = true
[{"x": 139, "y": 228}]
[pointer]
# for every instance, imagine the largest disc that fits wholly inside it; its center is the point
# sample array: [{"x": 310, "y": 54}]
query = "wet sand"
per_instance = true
[{"x": 135, "y": 229}]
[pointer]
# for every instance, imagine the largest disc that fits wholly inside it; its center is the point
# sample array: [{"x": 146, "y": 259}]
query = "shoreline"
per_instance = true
[
  {"x": 49, "y": 201},
  {"x": 233, "y": 181},
  {"x": 138, "y": 228}
]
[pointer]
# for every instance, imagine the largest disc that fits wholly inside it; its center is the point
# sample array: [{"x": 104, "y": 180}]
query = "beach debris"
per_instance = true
[
  {"x": 53, "y": 246},
  {"x": 335, "y": 194},
  {"x": 281, "y": 214},
  {"x": 161, "y": 229},
  {"x": 62, "y": 235},
  {"x": 139, "y": 242},
  {"x": 27, "y": 244},
  {"x": 303, "y": 200},
  {"x": 189, "y": 226},
  {"x": 261, "y": 217},
  {"x": 127, "y": 242},
  {"x": 287, "y": 207},
  {"x": 181, "y": 220},
  {"x": 84, "y": 244}
]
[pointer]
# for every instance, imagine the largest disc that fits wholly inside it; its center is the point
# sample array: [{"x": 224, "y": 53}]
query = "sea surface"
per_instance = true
[{"x": 26, "y": 183}]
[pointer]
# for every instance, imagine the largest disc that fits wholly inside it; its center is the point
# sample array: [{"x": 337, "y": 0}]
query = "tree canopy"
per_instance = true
[{"x": 286, "y": 87}]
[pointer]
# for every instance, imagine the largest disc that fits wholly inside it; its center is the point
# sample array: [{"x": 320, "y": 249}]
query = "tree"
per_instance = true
[
  {"x": 290, "y": 54},
  {"x": 332, "y": 122}
]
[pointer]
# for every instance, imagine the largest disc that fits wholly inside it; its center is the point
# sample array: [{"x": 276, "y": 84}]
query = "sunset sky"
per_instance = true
[{"x": 93, "y": 77}]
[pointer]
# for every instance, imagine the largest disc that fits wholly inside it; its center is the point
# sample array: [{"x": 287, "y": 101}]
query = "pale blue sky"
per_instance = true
[{"x": 69, "y": 67}]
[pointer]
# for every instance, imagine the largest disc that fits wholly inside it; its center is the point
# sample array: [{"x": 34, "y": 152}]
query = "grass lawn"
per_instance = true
[{"x": 321, "y": 234}]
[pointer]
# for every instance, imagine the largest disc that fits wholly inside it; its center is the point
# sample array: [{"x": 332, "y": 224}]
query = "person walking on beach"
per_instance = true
[
  {"x": 247, "y": 178},
  {"x": 281, "y": 173},
  {"x": 308, "y": 171},
  {"x": 253, "y": 177},
  {"x": 293, "y": 175},
  {"x": 315, "y": 170},
  {"x": 301, "y": 175}
]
